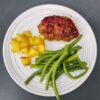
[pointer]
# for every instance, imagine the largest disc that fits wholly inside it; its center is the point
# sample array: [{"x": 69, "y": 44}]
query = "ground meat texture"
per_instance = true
[{"x": 58, "y": 28}]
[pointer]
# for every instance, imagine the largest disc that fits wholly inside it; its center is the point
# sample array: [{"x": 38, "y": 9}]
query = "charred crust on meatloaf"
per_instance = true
[{"x": 58, "y": 28}]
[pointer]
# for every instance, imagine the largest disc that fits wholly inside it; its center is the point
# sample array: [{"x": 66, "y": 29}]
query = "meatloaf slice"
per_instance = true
[{"x": 58, "y": 28}]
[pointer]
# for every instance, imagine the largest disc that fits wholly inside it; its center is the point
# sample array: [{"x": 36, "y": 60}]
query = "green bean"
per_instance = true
[
  {"x": 36, "y": 65},
  {"x": 41, "y": 65},
  {"x": 51, "y": 53},
  {"x": 48, "y": 52},
  {"x": 48, "y": 78},
  {"x": 45, "y": 60},
  {"x": 71, "y": 65},
  {"x": 32, "y": 75},
  {"x": 74, "y": 63},
  {"x": 38, "y": 58},
  {"x": 84, "y": 63},
  {"x": 74, "y": 69},
  {"x": 66, "y": 72},
  {"x": 81, "y": 64},
  {"x": 55, "y": 67},
  {"x": 70, "y": 69},
  {"x": 42, "y": 55},
  {"x": 42, "y": 58},
  {"x": 70, "y": 75},
  {"x": 75, "y": 56},
  {"x": 48, "y": 63},
  {"x": 75, "y": 48},
  {"x": 75, "y": 41},
  {"x": 71, "y": 58},
  {"x": 47, "y": 57},
  {"x": 58, "y": 74}
]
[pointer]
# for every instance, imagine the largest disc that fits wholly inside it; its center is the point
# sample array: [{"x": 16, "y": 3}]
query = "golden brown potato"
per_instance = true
[
  {"x": 36, "y": 40},
  {"x": 27, "y": 34},
  {"x": 21, "y": 37},
  {"x": 32, "y": 52},
  {"x": 40, "y": 48},
  {"x": 25, "y": 60},
  {"x": 28, "y": 45},
  {"x": 24, "y": 50},
  {"x": 24, "y": 44},
  {"x": 13, "y": 40},
  {"x": 15, "y": 45},
  {"x": 43, "y": 37}
]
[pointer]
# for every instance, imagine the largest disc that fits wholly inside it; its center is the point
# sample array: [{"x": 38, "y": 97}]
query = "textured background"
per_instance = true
[{"x": 10, "y": 9}]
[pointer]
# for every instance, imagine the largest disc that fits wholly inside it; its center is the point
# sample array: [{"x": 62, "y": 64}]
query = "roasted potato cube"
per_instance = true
[
  {"x": 15, "y": 45},
  {"x": 35, "y": 40},
  {"x": 43, "y": 37},
  {"x": 40, "y": 48},
  {"x": 31, "y": 41},
  {"x": 15, "y": 48},
  {"x": 21, "y": 37},
  {"x": 25, "y": 60},
  {"x": 24, "y": 44},
  {"x": 28, "y": 34},
  {"x": 32, "y": 52},
  {"x": 13, "y": 41},
  {"x": 24, "y": 50}
]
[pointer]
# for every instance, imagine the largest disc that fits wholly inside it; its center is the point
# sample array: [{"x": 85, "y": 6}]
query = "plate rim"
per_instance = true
[{"x": 5, "y": 63}]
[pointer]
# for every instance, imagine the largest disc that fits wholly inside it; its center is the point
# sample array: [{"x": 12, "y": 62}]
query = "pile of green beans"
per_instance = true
[{"x": 55, "y": 63}]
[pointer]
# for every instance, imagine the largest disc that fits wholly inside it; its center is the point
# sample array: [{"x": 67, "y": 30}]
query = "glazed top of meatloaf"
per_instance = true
[{"x": 58, "y": 28}]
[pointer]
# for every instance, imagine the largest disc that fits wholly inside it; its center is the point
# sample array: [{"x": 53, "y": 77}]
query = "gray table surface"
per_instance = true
[{"x": 10, "y": 9}]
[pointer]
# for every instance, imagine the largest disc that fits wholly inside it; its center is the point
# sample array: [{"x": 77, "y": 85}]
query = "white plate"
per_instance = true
[{"x": 29, "y": 20}]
